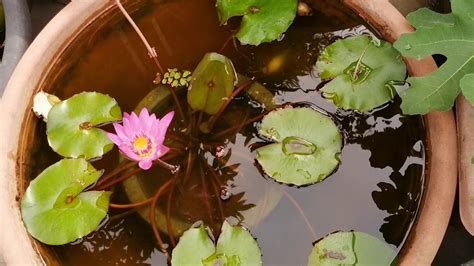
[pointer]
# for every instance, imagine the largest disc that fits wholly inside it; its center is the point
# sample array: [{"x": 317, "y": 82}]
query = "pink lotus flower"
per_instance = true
[{"x": 141, "y": 138}]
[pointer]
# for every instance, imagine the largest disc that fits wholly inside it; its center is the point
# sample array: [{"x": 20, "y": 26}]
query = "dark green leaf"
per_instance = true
[
  {"x": 54, "y": 208},
  {"x": 263, "y": 20},
  {"x": 306, "y": 149},
  {"x": 212, "y": 83},
  {"x": 351, "y": 248},
  {"x": 361, "y": 71},
  {"x": 71, "y": 126},
  {"x": 449, "y": 35}
]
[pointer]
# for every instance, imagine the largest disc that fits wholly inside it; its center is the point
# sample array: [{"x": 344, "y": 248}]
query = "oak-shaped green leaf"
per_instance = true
[
  {"x": 54, "y": 208},
  {"x": 450, "y": 35},
  {"x": 71, "y": 125},
  {"x": 351, "y": 248},
  {"x": 213, "y": 82},
  {"x": 306, "y": 149},
  {"x": 235, "y": 247},
  {"x": 263, "y": 20},
  {"x": 193, "y": 248},
  {"x": 362, "y": 71}
]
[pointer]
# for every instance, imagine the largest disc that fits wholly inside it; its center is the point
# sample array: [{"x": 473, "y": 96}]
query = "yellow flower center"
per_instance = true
[{"x": 140, "y": 143}]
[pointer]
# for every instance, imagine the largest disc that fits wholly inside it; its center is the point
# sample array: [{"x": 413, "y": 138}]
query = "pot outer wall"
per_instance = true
[{"x": 16, "y": 103}]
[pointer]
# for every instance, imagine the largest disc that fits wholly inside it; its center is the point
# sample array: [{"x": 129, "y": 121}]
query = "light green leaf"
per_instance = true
[
  {"x": 361, "y": 71},
  {"x": 351, "y": 248},
  {"x": 212, "y": 83},
  {"x": 235, "y": 247},
  {"x": 193, "y": 248},
  {"x": 54, "y": 208},
  {"x": 239, "y": 246},
  {"x": 263, "y": 20},
  {"x": 306, "y": 149},
  {"x": 467, "y": 85},
  {"x": 452, "y": 36},
  {"x": 71, "y": 126}
]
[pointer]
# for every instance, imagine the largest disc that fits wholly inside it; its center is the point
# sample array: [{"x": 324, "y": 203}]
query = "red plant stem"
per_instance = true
[
  {"x": 250, "y": 121},
  {"x": 231, "y": 37},
  {"x": 172, "y": 168},
  {"x": 236, "y": 92},
  {"x": 300, "y": 210},
  {"x": 215, "y": 183},
  {"x": 120, "y": 179},
  {"x": 178, "y": 105},
  {"x": 115, "y": 172},
  {"x": 204, "y": 187},
  {"x": 131, "y": 205},
  {"x": 189, "y": 165},
  {"x": 123, "y": 214},
  {"x": 153, "y": 217},
  {"x": 151, "y": 50},
  {"x": 169, "y": 225}
]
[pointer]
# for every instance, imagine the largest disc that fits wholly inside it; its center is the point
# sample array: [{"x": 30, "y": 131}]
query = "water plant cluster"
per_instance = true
[{"x": 302, "y": 144}]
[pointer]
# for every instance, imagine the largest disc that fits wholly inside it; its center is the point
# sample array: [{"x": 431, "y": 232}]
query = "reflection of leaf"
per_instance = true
[
  {"x": 361, "y": 71},
  {"x": 71, "y": 125},
  {"x": 351, "y": 248},
  {"x": 450, "y": 35},
  {"x": 213, "y": 81},
  {"x": 307, "y": 146},
  {"x": 235, "y": 246},
  {"x": 263, "y": 20},
  {"x": 54, "y": 208}
]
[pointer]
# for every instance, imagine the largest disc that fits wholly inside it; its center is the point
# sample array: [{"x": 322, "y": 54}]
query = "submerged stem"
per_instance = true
[
  {"x": 169, "y": 225},
  {"x": 151, "y": 50},
  {"x": 116, "y": 171},
  {"x": 250, "y": 121},
  {"x": 303, "y": 215},
  {"x": 236, "y": 92},
  {"x": 215, "y": 183},
  {"x": 153, "y": 218},
  {"x": 131, "y": 205}
]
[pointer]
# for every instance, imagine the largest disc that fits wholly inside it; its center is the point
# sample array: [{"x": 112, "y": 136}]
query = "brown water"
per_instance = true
[{"x": 376, "y": 189}]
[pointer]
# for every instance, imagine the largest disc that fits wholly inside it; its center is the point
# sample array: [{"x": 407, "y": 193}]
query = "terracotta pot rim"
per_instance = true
[{"x": 420, "y": 247}]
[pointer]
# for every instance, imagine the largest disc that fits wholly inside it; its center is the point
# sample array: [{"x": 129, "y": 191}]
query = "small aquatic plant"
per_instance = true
[{"x": 140, "y": 138}]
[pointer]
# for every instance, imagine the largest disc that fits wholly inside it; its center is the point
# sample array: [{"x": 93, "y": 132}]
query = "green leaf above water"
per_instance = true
[
  {"x": 450, "y": 35},
  {"x": 235, "y": 246},
  {"x": 306, "y": 149},
  {"x": 351, "y": 248},
  {"x": 71, "y": 125},
  {"x": 212, "y": 83},
  {"x": 361, "y": 71},
  {"x": 263, "y": 20},
  {"x": 54, "y": 208}
]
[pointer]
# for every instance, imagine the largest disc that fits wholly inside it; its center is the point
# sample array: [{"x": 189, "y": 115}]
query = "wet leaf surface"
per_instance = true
[
  {"x": 72, "y": 125},
  {"x": 55, "y": 209},
  {"x": 263, "y": 20},
  {"x": 306, "y": 149},
  {"x": 351, "y": 248},
  {"x": 212, "y": 83},
  {"x": 361, "y": 71}
]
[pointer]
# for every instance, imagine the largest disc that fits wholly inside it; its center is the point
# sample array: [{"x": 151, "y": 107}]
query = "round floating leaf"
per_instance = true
[
  {"x": 235, "y": 246},
  {"x": 351, "y": 248},
  {"x": 193, "y": 248},
  {"x": 54, "y": 208},
  {"x": 263, "y": 20},
  {"x": 361, "y": 71},
  {"x": 238, "y": 246},
  {"x": 71, "y": 126},
  {"x": 306, "y": 149},
  {"x": 213, "y": 82}
]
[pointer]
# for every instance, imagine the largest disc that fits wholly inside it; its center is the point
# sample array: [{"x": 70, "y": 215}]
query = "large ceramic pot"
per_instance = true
[{"x": 47, "y": 51}]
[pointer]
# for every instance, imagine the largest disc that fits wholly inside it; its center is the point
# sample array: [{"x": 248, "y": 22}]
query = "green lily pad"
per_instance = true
[
  {"x": 351, "y": 248},
  {"x": 71, "y": 126},
  {"x": 361, "y": 71},
  {"x": 194, "y": 247},
  {"x": 54, "y": 208},
  {"x": 213, "y": 82},
  {"x": 235, "y": 246},
  {"x": 263, "y": 20},
  {"x": 306, "y": 149}
]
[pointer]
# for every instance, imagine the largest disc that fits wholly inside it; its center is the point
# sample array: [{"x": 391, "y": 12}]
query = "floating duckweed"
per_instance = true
[{"x": 176, "y": 78}]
